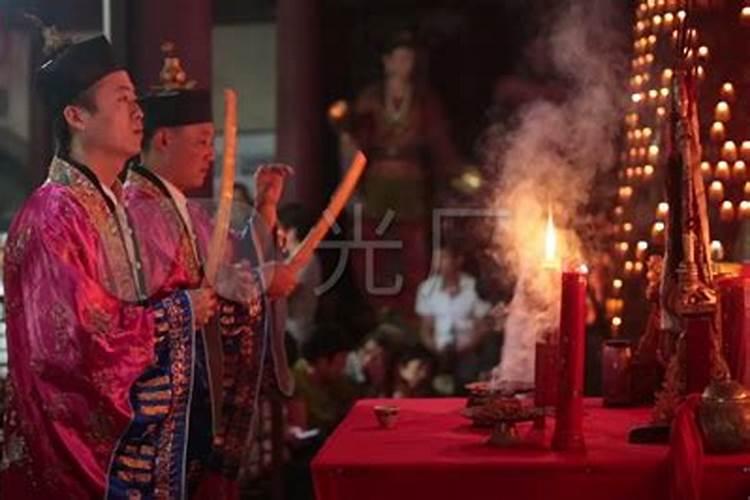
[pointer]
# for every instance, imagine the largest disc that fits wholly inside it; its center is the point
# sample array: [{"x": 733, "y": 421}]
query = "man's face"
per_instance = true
[
  {"x": 188, "y": 154},
  {"x": 400, "y": 63},
  {"x": 373, "y": 360},
  {"x": 290, "y": 237},
  {"x": 449, "y": 263},
  {"x": 116, "y": 124}
]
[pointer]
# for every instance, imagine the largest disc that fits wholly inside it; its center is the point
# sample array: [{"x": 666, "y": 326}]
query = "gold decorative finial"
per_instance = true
[{"x": 172, "y": 76}]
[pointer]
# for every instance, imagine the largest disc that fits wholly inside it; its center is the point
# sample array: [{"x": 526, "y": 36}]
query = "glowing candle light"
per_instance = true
[
  {"x": 649, "y": 58},
  {"x": 619, "y": 211},
  {"x": 722, "y": 170},
  {"x": 706, "y": 169},
  {"x": 640, "y": 249},
  {"x": 717, "y": 250},
  {"x": 661, "y": 113},
  {"x": 657, "y": 233},
  {"x": 627, "y": 228},
  {"x": 739, "y": 170},
  {"x": 617, "y": 286},
  {"x": 718, "y": 132},
  {"x": 656, "y": 21},
  {"x": 746, "y": 190},
  {"x": 727, "y": 91},
  {"x": 716, "y": 191},
  {"x": 628, "y": 267},
  {"x": 668, "y": 21},
  {"x": 629, "y": 173},
  {"x": 648, "y": 172},
  {"x": 700, "y": 72},
  {"x": 642, "y": 154},
  {"x": 626, "y": 192},
  {"x": 745, "y": 150},
  {"x": 638, "y": 267},
  {"x": 729, "y": 151},
  {"x": 647, "y": 133},
  {"x": 616, "y": 323},
  {"x": 681, "y": 16},
  {"x": 703, "y": 52},
  {"x": 638, "y": 135},
  {"x": 622, "y": 248},
  {"x": 745, "y": 16},
  {"x": 726, "y": 213},
  {"x": 653, "y": 154},
  {"x": 662, "y": 210},
  {"x": 666, "y": 77},
  {"x": 638, "y": 172},
  {"x": 637, "y": 97},
  {"x": 613, "y": 306},
  {"x": 653, "y": 94},
  {"x": 744, "y": 211},
  {"x": 722, "y": 113}
]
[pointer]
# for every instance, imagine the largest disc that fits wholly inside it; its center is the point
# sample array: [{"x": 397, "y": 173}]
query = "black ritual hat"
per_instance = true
[
  {"x": 73, "y": 70},
  {"x": 175, "y": 101},
  {"x": 175, "y": 108}
]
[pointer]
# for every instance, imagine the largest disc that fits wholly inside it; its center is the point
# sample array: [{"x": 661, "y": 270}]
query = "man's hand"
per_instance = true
[
  {"x": 204, "y": 304},
  {"x": 280, "y": 280},
  {"x": 269, "y": 183}
]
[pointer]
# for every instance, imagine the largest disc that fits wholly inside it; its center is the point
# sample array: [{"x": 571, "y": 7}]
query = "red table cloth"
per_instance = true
[{"x": 433, "y": 453}]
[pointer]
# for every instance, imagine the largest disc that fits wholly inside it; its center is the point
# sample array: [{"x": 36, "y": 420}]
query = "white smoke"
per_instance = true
[{"x": 549, "y": 161}]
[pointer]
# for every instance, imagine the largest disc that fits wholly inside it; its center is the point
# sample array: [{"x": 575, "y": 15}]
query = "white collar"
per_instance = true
[
  {"x": 178, "y": 195},
  {"x": 110, "y": 194}
]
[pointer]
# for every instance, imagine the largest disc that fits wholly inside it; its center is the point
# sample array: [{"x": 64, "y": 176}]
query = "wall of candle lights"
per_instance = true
[{"x": 720, "y": 38}]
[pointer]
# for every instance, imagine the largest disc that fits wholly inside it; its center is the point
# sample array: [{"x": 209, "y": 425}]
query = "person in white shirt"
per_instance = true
[{"x": 452, "y": 315}]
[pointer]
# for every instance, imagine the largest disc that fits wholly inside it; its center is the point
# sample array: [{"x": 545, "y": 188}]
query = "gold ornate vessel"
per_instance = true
[{"x": 724, "y": 417}]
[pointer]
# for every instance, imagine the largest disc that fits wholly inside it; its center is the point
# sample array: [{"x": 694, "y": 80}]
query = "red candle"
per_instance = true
[
  {"x": 568, "y": 434},
  {"x": 545, "y": 371}
]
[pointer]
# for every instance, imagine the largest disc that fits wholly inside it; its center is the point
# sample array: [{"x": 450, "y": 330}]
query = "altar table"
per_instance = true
[{"x": 433, "y": 453}]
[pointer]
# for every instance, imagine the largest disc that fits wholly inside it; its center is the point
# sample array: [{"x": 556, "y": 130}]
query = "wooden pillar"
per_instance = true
[
  {"x": 188, "y": 24},
  {"x": 299, "y": 99}
]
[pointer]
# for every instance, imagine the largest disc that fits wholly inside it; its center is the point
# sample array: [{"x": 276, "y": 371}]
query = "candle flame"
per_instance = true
[{"x": 550, "y": 241}]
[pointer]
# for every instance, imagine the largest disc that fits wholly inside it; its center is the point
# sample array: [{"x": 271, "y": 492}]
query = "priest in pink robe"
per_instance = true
[
  {"x": 173, "y": 232},
  {"x": 100, "y": 371}
]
